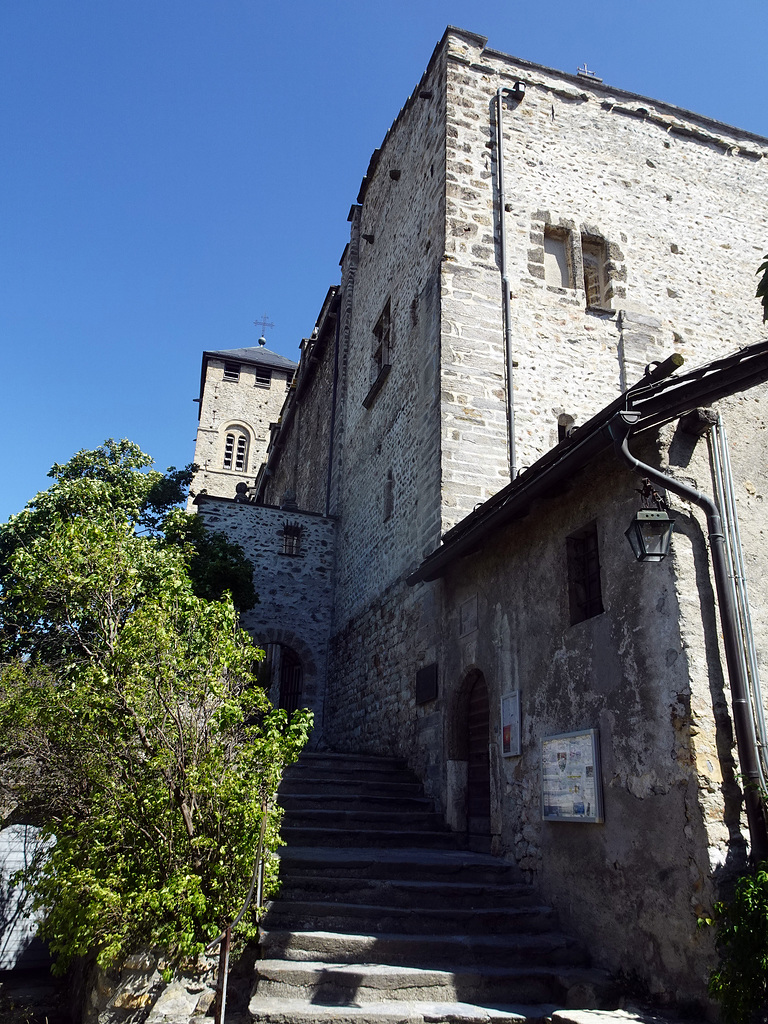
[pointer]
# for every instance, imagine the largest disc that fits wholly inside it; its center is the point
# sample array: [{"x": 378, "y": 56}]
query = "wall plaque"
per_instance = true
[{"x": 571, "y": 783}]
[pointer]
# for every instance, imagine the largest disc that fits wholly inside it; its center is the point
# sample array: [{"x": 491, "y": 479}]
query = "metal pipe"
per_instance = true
[
  {"x": 505, "y": 292},
  {"x": 727, "y": 502},
  {"x": 620, "y": 428}
]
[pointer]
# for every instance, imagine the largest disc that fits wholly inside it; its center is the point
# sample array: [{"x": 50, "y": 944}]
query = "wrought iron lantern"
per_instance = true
[{"x": 650, "y": 532}]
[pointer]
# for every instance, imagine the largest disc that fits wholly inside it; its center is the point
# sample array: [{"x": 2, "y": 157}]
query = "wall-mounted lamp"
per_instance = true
[
  {"x": 650, "y": 532},
  {"x": 518, "y": 90}
]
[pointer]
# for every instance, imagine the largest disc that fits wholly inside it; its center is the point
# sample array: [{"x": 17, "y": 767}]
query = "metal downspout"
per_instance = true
[
  {"x": 507, "y": 310},
  {"x": 620, "y": 428}
]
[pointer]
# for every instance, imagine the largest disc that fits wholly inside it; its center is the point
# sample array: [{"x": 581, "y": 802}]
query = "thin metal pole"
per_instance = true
[
  {"x": 221, "y": 979},
  {"x": 505, "y": 293}
]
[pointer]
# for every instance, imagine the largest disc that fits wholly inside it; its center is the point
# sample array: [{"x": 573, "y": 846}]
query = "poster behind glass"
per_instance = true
[{"x": 571, "y": 786}]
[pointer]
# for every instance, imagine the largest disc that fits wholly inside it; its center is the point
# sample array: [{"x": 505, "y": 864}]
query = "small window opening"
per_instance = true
[
  {"x": 288, "y": 380},
  {"x": 389, "y": 495},
  {"x": 584, "y": 592},
  {"x": 263, "y": 377},
  {"x": 382, "y": 343},
  {"x": 595, "y": 278},
  {"x": 232, "y": 372},
  {"x": 556, "y": 269},
  {"x": 291, "y": 539},
  {"x": 236, "y": 451},
  {"x": 565, "y": 425}
]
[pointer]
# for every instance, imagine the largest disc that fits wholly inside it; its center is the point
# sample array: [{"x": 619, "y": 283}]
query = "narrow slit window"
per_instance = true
[
  {"x": 584, "y": 590},
  {"x": 382, "y": 343}
]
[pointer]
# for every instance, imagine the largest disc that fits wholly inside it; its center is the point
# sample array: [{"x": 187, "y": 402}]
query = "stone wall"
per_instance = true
[
  {"x": 295, "y": 591},
  {"x": 225, "y": 404},
  {"x": 678, "y": 203},
  {"x": 301, "y": 449}
]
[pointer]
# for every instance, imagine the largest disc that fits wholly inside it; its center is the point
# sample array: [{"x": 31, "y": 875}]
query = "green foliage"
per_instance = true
[
  {"x": 131, "y": 726},
  {"x": 762, "y": 287},
  {"x": 740, "y": 982}
]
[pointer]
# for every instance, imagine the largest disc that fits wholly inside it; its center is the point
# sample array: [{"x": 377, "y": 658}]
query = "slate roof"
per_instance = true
[{"x": 257, "y": 354}]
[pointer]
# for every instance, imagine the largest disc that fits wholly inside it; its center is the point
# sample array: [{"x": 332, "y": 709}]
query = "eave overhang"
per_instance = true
[{"x": 655, "y": 401}]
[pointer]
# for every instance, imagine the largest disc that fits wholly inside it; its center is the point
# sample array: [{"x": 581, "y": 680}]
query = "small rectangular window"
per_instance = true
[
  {"x": 232, "y": 372},
  {"x": 382, "y": 343},
  {"x": 291, "y": 539},
  {"x": 595, "y": 279},
  {"x": 288, "y": 380},
  {"x": 556, "y": 269},
  {"x": 584, "y": 591},
  {"x": 263, "y": 377}
]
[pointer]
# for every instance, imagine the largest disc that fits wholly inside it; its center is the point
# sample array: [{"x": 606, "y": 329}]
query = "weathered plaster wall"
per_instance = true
[
  {"x": 636, "y": 883},
  {"x": 295, "y": 591}
]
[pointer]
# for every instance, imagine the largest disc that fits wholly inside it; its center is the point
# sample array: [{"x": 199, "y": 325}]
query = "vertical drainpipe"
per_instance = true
[
  {"x": 518, "y": 91},
  {"x": 334, "y": 393},
  {"x": 619, "y": 429}
]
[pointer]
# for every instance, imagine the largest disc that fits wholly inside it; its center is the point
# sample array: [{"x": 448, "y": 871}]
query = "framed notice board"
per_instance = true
[{"x": 571, "y": 781}]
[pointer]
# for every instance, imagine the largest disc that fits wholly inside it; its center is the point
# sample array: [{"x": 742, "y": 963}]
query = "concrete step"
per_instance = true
[
  {"x": 367, "y": 818},
  {"x": 381, "y": 838},
  {"x": 439, "y": 951},
  {"x": 300, "y": 1011},
  {"x": 356, "y": 917},
  {"x": 413, "y": 864},
  {"x": 406, "y": 892},
  {"x": 358, "y": 984}
]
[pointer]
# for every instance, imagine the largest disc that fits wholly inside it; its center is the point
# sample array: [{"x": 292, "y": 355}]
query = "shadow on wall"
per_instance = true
[{"x": 20, "y": 947}]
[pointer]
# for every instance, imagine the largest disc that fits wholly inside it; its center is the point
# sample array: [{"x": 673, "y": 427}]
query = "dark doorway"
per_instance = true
[
  {"x": 290, "y": 679},
  {"x": 478, "y": 767}
]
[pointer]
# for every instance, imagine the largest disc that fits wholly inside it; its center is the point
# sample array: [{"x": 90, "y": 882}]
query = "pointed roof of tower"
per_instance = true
[{"x": 257, "y": 354}]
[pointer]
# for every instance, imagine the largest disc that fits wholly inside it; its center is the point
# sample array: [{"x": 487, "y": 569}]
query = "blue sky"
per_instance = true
[{"x": 170, "y": 170}]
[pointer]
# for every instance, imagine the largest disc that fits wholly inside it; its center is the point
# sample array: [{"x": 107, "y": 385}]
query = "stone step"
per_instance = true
[
  {"x": 300, "y": 1011},
  {"x": 397, "y": 863},
  {"x": 439, "y": 951},
  {"x": 406, "y": 892},
  {"x": 341, "y": 760},
  {"x": 382, "y": 838},
  {"x": 357, "y": 820},
  {"x": 356, "y": 917},
  {"x": 303, "y": 783},
  {"x": 321, "y": 773},
  {"x": 346, "y": 801},
  {"x": 358, "y": 984}
]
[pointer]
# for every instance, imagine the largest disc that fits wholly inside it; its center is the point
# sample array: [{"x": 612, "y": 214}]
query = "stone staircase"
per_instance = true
[{"x": 384, "y": 917}]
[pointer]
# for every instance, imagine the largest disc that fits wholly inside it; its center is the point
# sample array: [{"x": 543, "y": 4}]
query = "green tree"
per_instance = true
[{"x": 131, "y": 726}]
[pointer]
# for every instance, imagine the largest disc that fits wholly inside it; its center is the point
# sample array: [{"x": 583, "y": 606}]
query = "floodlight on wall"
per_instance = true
[{"x": 650, "y": 532}]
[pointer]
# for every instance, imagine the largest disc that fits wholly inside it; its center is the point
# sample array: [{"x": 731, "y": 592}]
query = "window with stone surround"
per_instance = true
[
  {"x": 381, "y": 354},
  {"x": 584, "y": 590},
  {"x": 595, "y": 276},
  {"x": 237, "y": 441},
  {"x": 557, "y": 271},
  {"x": 232, "y": 372},
  {"x": 263, "y": 377}
]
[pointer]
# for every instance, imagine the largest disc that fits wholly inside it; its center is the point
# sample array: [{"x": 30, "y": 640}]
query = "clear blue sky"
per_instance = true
[{"x": 170, "y": 170}]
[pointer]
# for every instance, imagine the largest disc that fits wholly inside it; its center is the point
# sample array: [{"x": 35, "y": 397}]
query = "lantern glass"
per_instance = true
[{"x": 650, "y": 535}]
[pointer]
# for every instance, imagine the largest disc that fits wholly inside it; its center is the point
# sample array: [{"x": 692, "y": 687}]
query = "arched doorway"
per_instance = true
[
  {"x": 282, "y": 675},
  {"x": 478, "y": 765}
]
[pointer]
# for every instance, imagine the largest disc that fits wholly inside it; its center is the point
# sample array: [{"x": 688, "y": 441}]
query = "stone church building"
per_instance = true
[{"x": 540, "y": 269}]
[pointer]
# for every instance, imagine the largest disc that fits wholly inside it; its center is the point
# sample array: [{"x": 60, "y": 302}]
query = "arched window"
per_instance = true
[{"x": 236, "y": 444}]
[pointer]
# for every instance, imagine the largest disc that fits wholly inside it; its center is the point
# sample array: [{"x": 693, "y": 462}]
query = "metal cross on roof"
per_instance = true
[{"x": 263, "y": 323}]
